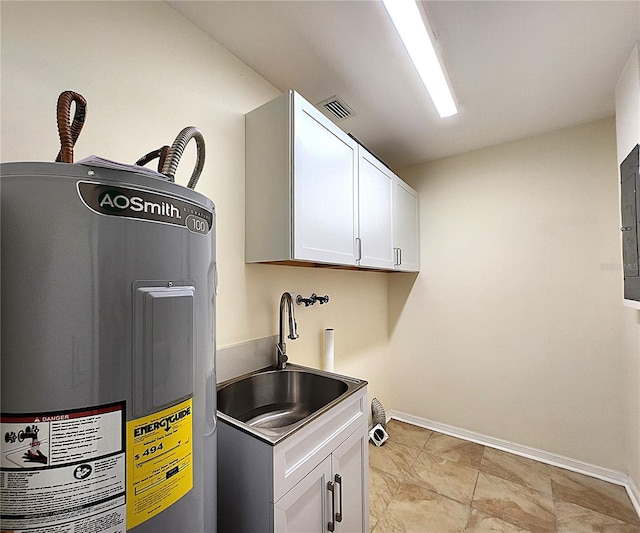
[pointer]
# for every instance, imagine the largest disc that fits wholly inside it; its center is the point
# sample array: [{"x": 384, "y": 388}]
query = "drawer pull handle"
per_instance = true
[
  {"x": 338, "y": 480},
  {"x": 331, "y": 526}
]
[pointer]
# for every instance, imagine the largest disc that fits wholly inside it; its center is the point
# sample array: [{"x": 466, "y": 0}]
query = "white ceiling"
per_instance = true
[{"x": 518, "y": 68}]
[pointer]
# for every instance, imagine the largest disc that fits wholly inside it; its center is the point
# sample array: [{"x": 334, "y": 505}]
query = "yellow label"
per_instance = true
[{"x": 159, "y": 461}]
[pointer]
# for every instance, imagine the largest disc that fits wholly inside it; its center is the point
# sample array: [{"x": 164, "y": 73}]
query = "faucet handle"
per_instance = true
[
  {"x": 281, "y": 356},
  {"x": 306, "y": 301}
]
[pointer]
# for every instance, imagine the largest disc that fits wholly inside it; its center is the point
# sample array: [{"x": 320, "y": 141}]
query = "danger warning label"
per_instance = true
[{"x": 63, "y": 472}]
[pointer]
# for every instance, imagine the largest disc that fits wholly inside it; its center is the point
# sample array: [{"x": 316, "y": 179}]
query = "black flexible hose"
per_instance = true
[{"x": 160, "y": 154}]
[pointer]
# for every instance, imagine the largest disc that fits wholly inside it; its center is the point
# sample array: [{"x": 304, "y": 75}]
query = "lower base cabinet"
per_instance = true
[
  {"x": 332, "y": 496},
  {"x": 312, "y": 482}
]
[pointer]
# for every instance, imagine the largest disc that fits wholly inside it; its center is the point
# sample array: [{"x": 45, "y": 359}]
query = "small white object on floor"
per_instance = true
[{"x": 378, "y": 435}]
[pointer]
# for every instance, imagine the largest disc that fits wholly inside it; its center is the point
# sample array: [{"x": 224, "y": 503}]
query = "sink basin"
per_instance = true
[{"x": 274, "y": 403}]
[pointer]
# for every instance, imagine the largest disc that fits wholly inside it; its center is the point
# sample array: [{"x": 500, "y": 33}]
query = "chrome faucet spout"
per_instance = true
[{"x": 286, "y": 305}]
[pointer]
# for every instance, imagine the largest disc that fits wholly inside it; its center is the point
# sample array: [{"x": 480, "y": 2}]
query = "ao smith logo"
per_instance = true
[
  {"x": 151, "y": 206},
  {"x": 116, "y": 201},
  {"x": 162, "y": 423}
]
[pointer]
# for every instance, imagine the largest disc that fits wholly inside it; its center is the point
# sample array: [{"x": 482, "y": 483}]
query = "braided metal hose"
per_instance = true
[
  {"x": 175, "y": 153},
  {"x": 69, "y": 132}
]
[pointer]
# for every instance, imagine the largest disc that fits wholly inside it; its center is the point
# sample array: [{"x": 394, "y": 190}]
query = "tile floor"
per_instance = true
[{"x": 421, "y": 481}]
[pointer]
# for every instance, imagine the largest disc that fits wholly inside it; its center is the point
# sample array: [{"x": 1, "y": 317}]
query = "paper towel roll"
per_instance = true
[{"x": 328, "y": 350}]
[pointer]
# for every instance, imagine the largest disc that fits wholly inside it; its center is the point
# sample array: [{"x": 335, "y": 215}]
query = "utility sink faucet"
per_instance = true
[{"x": 286, "y": 304}]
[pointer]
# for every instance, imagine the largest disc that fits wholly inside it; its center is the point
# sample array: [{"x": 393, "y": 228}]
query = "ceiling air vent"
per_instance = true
[{"x": 335, "y": 108}]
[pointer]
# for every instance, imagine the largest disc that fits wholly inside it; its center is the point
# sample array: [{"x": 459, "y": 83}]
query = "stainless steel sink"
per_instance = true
[{"x": 272, "y": 404}]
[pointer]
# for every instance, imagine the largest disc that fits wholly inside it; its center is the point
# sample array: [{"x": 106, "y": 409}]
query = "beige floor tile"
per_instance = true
[
  {"x": 393, "y": 458},
  {"x": 447, "y": 478},
  {"x": 381, "y": 528},
  {"x": 423, "y": 482},
  {"x": 415, "y": 510},
  {"x": 457, "y": 450},
  {"x": 408, "y": 434},
  {"x": 521, "y": 506},
  {"x": 532, "y": 474},
  {"x": 382, "y": 487},
  {"x": 372, "y": 523},
  {"x": 600, "y": 496},
  {"x": 575, "y": 519},
  {"x": 480, "y": 522}
]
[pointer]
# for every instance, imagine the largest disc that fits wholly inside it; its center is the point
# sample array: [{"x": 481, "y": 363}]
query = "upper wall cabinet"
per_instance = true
[
  {"x": 376, "y": 184},
  {"x": 315, "y": 196},
  {"x": 406, "y": 223},
  {"x": 301, "y": 185},
  {"x": 628, "y": 105}
]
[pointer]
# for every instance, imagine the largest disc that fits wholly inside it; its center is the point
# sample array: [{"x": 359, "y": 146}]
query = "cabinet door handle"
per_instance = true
[
  {"x": 399, "y": 256},
  {"x": 331, "y": 526},
  {"x": 338, "y": 480},
  {"x": 358, "y": 249}
]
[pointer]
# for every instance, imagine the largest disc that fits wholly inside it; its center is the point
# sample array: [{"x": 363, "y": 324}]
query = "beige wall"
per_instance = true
[
  {"x": 632, "y": 387},
  {"x": 514, "y": 328},
  {"x": 146, "y": 73}
]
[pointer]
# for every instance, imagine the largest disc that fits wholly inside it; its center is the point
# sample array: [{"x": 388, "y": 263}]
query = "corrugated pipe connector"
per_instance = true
[
  {"x": 175, "y": 153},
  {"x": 378, "y": 433},
  {"x": 377, "y": 413}
]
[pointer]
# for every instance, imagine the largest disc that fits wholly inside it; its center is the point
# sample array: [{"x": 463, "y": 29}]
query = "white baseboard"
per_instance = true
[
  {"x": 605, "y": 474},
  {"x": 634, "y": 494}
]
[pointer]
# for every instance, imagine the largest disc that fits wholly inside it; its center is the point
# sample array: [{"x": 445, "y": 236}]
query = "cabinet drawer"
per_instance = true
[{"x": 297, "y": 455}]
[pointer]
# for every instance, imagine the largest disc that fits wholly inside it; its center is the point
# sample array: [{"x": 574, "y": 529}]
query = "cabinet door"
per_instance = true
[
  {"x": 306, "y": 507},
  {"x": 324, "y": 188},
  {"x": 375, "y": 206},
  {"x": 406, "y": 228},
  {"x": 350, "y": 467}
]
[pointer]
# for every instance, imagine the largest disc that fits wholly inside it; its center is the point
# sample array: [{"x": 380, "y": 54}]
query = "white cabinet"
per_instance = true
[
  {"x": 301, "y": 185},
  {"x": 628, "y": 105},
  {"x": 376, "y": 184},
  {"x": 324, "y": 188},
  {"x": 406, "y": 228},
  {"x": 350, "y": 467},
  {"x": 332, "y": 497},
  {"x": 313, "y": 195},
  {"x": 313, "y": 481},
  {"x": 305, "y": 507}
]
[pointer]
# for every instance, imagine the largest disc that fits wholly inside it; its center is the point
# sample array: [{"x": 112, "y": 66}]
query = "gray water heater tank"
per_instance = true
[{"x": 107, "y": 364}]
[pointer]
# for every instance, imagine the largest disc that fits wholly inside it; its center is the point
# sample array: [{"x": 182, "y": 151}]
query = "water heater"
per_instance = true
[{"x": 107, "y": 365}]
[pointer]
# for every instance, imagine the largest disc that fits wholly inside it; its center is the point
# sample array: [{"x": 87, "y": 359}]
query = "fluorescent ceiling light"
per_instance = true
[{"x": 416, "y": 38}]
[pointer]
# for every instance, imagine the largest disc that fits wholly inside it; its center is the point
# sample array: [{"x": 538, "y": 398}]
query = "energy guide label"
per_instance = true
[
  {"x": 159, "y": 461},
  {"x": 63, "y": 471}
]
